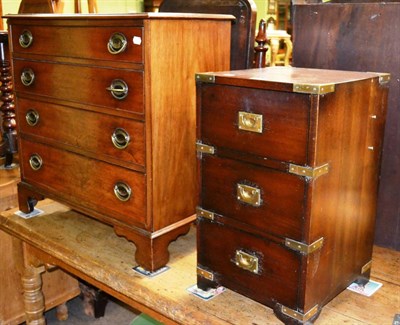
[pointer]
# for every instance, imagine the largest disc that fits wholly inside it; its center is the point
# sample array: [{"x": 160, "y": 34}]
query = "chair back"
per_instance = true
[{"x": 243, "y": 28}]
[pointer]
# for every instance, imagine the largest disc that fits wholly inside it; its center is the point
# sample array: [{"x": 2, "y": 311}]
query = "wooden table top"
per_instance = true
[{"x": 92, "y": 251}]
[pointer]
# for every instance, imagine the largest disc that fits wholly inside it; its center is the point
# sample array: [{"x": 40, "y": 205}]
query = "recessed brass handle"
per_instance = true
[
  {"x": 246, "y": 261},
  {"x": 35, "y": 161},
  {"x": 248, "y": 194},
  {"x": 118, "y": 88},
  {"x": 32, "y": 117},
  {"x": 120, "y": 138},
  {"x": 27, "y": 77},
  {"x": 25, "y": 39},
  {"x": 117, "y": 43},
  {"x": 122, "y": 191},
  {"x": 250, "y": 122}
]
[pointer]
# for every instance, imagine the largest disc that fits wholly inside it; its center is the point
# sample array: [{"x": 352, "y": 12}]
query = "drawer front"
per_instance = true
[
  {"x": 95, "y": 43},
  {"x": 269, "y": 200},
  {"x": 85, "y": 182},
  {"x": 270, "y": 124},
  {"x": 100, "y": 134},
  {"x": 256, "y": 267},
  {"x": 86, "y": 85}
]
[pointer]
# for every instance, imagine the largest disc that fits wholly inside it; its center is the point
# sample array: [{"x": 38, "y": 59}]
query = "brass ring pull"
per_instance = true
[
  {"x": 246, "y": 261},
  {"x": 25, "y": 39},
  {"x": 118, "y": 89},
  {"x": 35, "y": 161},
  {"x": 248, "y": 194},
  {"x": 122, "y": 191},
  {"x": 27, "y": 77},
  {"x": 120, "y": 138},
  {"x": 32, "y": 117},
  {"x": 117, "y": 43}
]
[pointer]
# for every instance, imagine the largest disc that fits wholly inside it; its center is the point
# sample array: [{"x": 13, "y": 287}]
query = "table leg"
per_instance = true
[{"x": 33, "y": 295}]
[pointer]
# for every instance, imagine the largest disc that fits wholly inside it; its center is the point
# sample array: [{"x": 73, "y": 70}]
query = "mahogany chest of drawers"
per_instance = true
[
  {"x": 106, "y": 115},
  {"x": 289, "y": 167}
]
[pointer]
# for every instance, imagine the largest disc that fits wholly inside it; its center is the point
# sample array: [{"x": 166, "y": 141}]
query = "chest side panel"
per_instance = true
[
  {"x": 172, "y": 59},
  {"x": 343, "y": 206}
]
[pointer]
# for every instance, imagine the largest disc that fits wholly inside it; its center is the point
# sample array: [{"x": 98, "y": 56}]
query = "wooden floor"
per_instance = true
[{"x": 347, "y": 308}]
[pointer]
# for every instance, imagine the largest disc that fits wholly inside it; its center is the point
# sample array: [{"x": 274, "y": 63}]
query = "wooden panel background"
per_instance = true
[{"x": 363, "y": 37}]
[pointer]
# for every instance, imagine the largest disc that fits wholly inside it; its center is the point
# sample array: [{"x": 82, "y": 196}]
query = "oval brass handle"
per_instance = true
[
  {"x": 118, "y": 88},
  {"x": 27, "y": 77},
  {"x": 246, "y": 261},
  {"x": 32, "y": 117},
  {"x": 117, "y": 43},
  {"x": 35, "y": 161},
  {"x": 248, "y": 194},
  {"x": 122, "y": 191},
  {"x": 25, "y": 39},
  {"x": 120, "y": 138}
]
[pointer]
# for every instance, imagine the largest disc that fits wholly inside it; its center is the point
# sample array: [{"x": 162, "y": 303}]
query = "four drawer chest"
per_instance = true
[
  {"x": 289, "y": 167},
  {"x": 106, "y": 116}
]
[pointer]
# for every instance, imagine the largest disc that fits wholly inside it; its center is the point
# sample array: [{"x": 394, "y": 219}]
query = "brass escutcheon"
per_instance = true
[
  {"x": 25, "y": 39},
  {"x": 35, "y": 161},
  {"x": 122, "y": 191},
  {"x": 117, "y": 43},
  {"x": 120, "y": 138},
  {"x": 27, "y": 77},
  {"x": 32, "y": 117},
  {"x": 118, "y": 89}
]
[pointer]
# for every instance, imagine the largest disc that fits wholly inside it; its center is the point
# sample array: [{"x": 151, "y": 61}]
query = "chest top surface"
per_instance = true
[{"x": 303, "y": 80}]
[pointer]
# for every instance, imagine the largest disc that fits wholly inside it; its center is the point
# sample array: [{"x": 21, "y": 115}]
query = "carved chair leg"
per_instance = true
[{"x": 33, "y": 295}]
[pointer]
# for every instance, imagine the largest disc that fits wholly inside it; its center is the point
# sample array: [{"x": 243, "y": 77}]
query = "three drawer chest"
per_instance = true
[
  {"x": 106, "y": 117},
  {"x": 289, "y": 167}
]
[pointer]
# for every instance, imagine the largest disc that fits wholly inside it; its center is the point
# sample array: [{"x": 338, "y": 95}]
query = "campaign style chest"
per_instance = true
[
  {"x": 289, "y": 167},
  {"x": 106, "y": 116}
]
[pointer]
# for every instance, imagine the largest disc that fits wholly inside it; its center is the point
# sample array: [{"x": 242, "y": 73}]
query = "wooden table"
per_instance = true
[{"x": 91, "y": 251}]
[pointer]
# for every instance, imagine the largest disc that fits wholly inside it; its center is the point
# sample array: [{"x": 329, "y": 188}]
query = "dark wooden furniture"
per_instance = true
[
  {"x": 362, "y": 37},
  {"x": 8, "y": 143},
  {"x": 289, "y": 164},
  {"x": 151, "y": 5},
  {"x": 243, "y": 28},
  {"x": 106, "y": 110},
  {"x": 90, "y": 250}
]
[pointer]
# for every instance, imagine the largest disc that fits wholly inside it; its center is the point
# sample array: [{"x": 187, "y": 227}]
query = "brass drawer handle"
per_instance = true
[
  {"x": 25, "y": 39},
  {"x": 120, "y": 138},
  {"x": 118, "y": 89},
  {"x": 246, "y": 261},
  {"x": 27, "y": 77},
  {"x": 117, "y": 43},
  {"x": 250, "y": 122},
  {"x": 35, "y": 161},
  {"x": 32, "y": 117},
  {"x": 122, "y": 191},
  {"x": 248, "y": 194}
]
